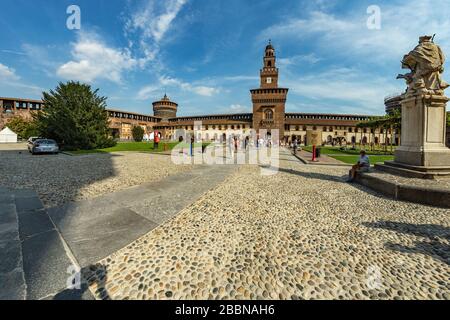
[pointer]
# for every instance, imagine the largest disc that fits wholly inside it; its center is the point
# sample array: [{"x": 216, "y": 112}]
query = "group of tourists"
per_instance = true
[{"x": 236, "y": 143}]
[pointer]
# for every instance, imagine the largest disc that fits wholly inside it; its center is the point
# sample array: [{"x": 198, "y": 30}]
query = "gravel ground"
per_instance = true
[
  {"x": 62, "y": 178},
  {"x": 301, "y": 234}
]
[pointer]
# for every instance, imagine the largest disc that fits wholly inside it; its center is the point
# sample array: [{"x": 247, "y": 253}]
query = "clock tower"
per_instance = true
[
  {"x": 269, "y": 73},
  {"x": 269, "y": 100}
]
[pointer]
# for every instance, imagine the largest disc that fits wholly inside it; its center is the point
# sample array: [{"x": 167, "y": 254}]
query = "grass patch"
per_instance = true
[
  {"x": 350, "y": 159},
  {"x": 338, "y": 151},
  {"x": 136, "y": 147}
]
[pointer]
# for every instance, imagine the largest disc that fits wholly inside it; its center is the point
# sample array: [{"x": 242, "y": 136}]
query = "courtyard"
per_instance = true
[
  {"x": 255, "y": 237},
  {"x": 141, "y": 227}
]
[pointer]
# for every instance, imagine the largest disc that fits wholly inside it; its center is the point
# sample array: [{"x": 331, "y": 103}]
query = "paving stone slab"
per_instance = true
[
  {"x": 45, "y": 265},
  {"x": 7, "y": 213},
  {"x": 24, "y": 204},
  {"x": 96, "y": 228},
  {"x": 5, "y": 199},
  {"x": 34, "y": 222},
  {"x": 23, "y": 193},
  {"x": 93, "y": 239},
  {"x": 177, "y": 192},
  {"x": 77, "y": 214},
  {"x": 9, "y": 231},
  {"x": 12, "y": 285},
  {"x": 10, "y": 256}
]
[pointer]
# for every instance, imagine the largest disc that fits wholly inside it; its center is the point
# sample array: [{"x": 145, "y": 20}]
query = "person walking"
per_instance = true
[
  {"x": 295, "y": 146},
  {"x": 231, "y": 146},
  {"x": 156, "y": 141}
]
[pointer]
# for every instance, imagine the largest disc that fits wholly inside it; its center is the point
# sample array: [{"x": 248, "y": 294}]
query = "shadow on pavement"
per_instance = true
[
  {"x": 434, "y": 245},
  {"x": 93, "y": 275},
  {"x": 50, "y": 180}
]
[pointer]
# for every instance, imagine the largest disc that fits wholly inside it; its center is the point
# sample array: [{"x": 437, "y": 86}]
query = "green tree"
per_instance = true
[
  {"x": 75, "y": 116},
  {"x": 138, "y": 133},
  {"x": 24, "y": 128},
  {"x": 448, "y": 119}
]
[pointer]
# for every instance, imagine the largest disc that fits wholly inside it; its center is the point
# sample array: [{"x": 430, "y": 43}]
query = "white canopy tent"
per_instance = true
[{"x": 8, "y": 136}]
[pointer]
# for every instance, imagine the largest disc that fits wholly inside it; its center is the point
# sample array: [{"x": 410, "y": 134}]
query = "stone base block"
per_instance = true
[
  {"x": 405, "y": 192},
  {"x": 432, "y": 158},
  {"x": 410, "y": 171}
]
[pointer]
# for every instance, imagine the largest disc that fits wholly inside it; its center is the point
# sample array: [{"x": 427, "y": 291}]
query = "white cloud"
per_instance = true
[
  {"x": 150, "y": 91},
  {"x": 345, "y": 86},
  {"x": 93, "y": 59},
  {"x": 299, "y": 60},
  {"x": 238, "y": 108},
  {"x": 7, "y": 73},
  {"x": 152, "y": 22},
  {"x": 19, "y": 53},
  {"x": 205, "y": 91},
  {"x": 344, "y": 39},
  {"x": 201, "y": 90},
  {"x": 348, "y": 35},
  {"x": 241, "y": 78},
  {"x": 9, "y": 78}
]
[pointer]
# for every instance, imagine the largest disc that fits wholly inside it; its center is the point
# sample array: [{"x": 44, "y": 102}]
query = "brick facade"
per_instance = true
[{"x": 269, "y": 101}]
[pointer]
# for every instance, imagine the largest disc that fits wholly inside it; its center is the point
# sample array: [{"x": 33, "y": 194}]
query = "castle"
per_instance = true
[{"x": 268, "y": 114}]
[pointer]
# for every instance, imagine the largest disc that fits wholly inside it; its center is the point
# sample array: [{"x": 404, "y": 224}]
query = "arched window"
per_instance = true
[
  {"x": 269, "y": 64},
  {"x": 268, "y": 114}
]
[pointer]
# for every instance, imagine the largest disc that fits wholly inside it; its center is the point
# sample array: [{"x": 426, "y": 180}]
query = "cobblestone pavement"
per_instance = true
[
  {"x": 300, "y": 234},
  {"x": 62, "y": 178}
]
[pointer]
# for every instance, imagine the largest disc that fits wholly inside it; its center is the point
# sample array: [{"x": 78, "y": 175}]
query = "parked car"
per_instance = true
[
  {"x": 30, "y": 142},
  {"x": 45, "y": 146}
]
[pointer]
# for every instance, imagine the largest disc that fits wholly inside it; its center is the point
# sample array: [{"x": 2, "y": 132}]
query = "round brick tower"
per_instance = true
[{"x": 165, "y": 108}]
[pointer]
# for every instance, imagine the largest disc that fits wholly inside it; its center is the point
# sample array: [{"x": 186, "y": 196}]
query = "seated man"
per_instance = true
[{"x": 363, "y": 165}]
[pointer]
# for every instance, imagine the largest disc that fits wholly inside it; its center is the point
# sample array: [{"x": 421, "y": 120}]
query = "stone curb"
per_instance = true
[
  {"x": 428, "y": 196},
  {"x": 319, "y": 163},
  {"x": 300, "y": 158}
]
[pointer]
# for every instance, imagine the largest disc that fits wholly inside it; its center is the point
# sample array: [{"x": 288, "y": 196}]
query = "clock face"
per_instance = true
[{"x": 269, "y": 80}]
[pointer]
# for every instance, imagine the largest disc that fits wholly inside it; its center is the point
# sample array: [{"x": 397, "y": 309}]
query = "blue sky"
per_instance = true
[{"x": 207, "y": 53}]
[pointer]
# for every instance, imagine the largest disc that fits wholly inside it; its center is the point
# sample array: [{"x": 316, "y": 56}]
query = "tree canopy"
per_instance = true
[
  {"x": 138, "y": 133},
  {"x": 75, "y": 116},
  {"x": 25, "y": 128},
  {"x": 393, "y": 120}
]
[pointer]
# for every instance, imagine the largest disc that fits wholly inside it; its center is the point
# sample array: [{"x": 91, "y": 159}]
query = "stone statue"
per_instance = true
[{"x": 426, "y": 63}]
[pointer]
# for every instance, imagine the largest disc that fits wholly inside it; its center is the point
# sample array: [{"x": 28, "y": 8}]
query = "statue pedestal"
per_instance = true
[{"x": 423, "y": 147}]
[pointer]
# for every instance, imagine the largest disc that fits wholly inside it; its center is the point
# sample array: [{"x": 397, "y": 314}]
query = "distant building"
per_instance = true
[
  {"x": 268, "y": 114},
  {"x": 393, "y": 102}
]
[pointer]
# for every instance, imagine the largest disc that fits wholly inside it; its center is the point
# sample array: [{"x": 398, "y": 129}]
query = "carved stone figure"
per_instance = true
[{"x": 426, "y": 63}]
